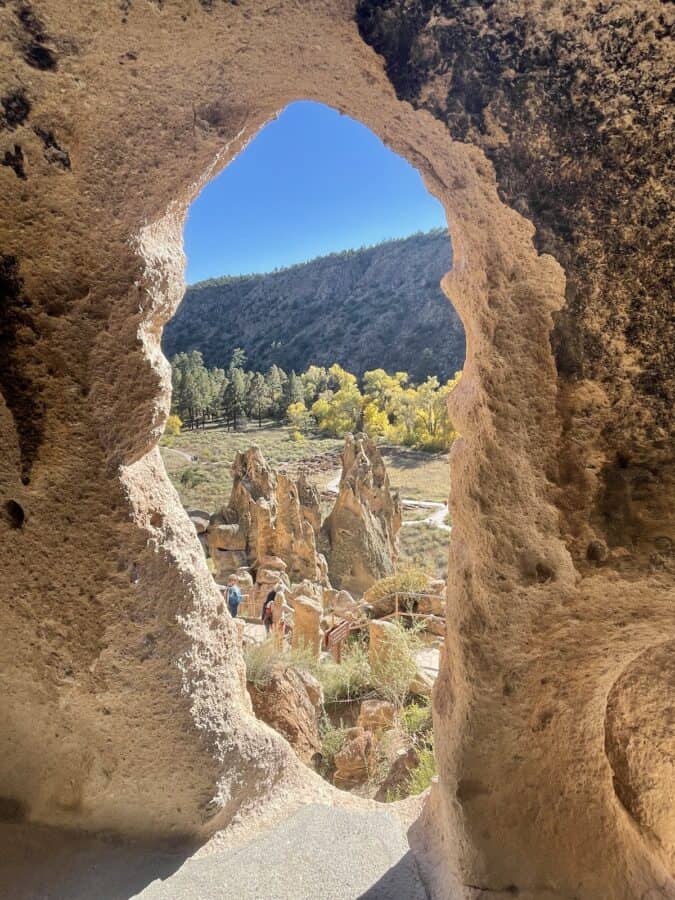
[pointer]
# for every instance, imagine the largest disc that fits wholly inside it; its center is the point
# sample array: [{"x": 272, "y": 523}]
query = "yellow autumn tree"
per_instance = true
[
  {"x": 337, "y": 413},
  {"x": 173, "y": 425}
]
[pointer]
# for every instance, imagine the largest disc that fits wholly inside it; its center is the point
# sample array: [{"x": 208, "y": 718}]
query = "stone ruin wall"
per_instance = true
[{"x": 542, "y": 130}]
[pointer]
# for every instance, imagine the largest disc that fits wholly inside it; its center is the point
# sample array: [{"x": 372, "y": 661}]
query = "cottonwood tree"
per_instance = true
[
  {"x": 327, "y": 399},
  {"x": 314, "y": 382}
]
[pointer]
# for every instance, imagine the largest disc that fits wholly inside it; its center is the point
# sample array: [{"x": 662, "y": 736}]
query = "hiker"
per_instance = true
[
  {"x": 233, "y": 596},
  {"x": 268, "y": 609}
]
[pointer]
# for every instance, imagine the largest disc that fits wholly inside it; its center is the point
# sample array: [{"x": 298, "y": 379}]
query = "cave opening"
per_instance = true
[
  {"x": 124, "y": 706},
  {"x": 312, "y": 359}
]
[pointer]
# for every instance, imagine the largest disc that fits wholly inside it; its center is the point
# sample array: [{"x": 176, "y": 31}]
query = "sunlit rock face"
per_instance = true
[
  {"x": 271, "y": 519},
  {"x": 361, "y": 530},
  {"x": 540, "y": 128}
]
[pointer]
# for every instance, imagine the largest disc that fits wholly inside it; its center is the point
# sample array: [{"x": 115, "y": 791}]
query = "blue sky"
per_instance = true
[{"x": 311, "y": 182}]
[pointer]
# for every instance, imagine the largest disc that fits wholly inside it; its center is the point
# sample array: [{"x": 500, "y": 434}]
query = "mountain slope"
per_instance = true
[{"x": 381, "y": 306}]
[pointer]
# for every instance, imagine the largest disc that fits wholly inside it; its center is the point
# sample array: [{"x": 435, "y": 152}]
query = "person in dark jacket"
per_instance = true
[{"x": 268, "y": 610}]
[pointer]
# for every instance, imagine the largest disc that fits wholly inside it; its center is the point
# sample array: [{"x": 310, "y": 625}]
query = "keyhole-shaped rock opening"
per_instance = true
[
  {"x": 124, "y": 705},
  {"x": 309, "y": 437}
]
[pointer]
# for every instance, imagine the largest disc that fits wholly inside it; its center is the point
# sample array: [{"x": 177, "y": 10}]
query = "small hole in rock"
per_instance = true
[
  {"x": 15, "y": 514},
  {"x": 11, "y": 810}
]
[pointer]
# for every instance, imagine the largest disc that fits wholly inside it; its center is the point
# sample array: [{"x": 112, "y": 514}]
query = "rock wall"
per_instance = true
[
  {"x": 571, "y": 108},
  {"x": 543, "y": 131}
]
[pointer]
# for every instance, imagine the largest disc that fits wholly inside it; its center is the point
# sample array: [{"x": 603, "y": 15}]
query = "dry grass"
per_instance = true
[
  {"x": 424, "y": 547},
  {"x": 419, "y": 476},
  {"x": 207, "y": 482}
]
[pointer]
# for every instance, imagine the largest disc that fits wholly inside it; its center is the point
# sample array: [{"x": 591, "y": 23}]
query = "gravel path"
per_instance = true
[{"x": 318, "y": 853}]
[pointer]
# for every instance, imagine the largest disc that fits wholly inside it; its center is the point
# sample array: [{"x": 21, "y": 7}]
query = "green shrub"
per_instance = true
[
  {"x": 191, "y": 477},
  {"x": 263, "y": 659},
  {"x": 394, "y": 666},
  {"x": 349, "y": 678},
  {"x": 416, "y": 720},
  {"x": 420, "y": 777},
  {"x": 409, "y": 580},
  {"x": 332, "y": 741}
]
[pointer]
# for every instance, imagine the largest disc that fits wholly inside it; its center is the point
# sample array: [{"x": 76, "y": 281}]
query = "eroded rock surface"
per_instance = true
[
  {"x": 540, "y": 127},
  {"x": 361, "y": 530},
  {"x": 266, "y": 517},
  {"x": 291, "y": 703}
]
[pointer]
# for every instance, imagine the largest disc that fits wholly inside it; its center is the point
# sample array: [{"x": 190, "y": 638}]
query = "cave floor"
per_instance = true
[{"x": 318, "y": 851}]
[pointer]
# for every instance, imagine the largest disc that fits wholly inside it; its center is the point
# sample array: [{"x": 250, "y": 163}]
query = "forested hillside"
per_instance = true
[{"x": 379, "y": 307}]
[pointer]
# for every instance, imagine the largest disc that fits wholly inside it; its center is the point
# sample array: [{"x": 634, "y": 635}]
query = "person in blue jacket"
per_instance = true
[{"x": 233, "y": 596}]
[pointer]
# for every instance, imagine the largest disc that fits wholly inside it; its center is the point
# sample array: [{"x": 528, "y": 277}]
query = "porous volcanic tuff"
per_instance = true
[
  {"x": 543, "y": 129},
  {"x": 361, "y": 531}
]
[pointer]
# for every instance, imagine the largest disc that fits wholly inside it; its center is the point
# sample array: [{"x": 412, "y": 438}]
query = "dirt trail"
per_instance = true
[
  {"x": 436, "y": 518},
  {"x": 186, "y": 456}
]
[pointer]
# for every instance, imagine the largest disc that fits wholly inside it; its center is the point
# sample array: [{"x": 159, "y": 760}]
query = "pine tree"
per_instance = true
[
  {"x": 276, "y": 378},
  {"x": 293, "y": 391},
  {"x": 238, "y": 358},
  {"x": 259, "y": 397},
  {"x": 235, "y": 397}
]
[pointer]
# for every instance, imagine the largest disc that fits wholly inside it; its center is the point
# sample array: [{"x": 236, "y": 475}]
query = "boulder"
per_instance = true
[
  {"x": 376, "y": 715},
  {"x": 291, "y": 703},
  {"x": 226, "y": 537},
  {"x": 396, "y": 780},
  {"x": 308, "y": 588},
  {"x": 269, "y": 576},
  {"x": 199, "y": 519},
  {"x": 431, "y": 604},
  {"x": 421, "y": 685},
  {"x": 355, "y": 762},
  {"x": 227, "y": 561},
  {"x": 336, "y": 601},
  {"x": 244, "y": 578},
  {"x": 360, "y": 534},
  {"x": 307, "y": 625},
  {"x": 272, "y": 562},
  {"x": 435, "y": 625}
]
